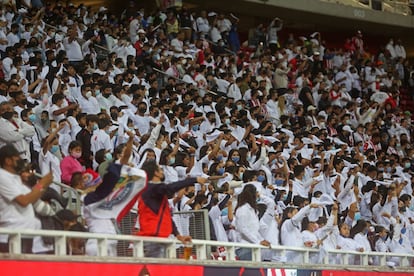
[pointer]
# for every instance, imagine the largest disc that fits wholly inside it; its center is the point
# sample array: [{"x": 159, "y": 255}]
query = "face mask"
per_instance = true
[
  {"x": 108, "y": 156},
  {"x": 261, "y": 178},
  {"x": 54, "y": 149},
  {"x": 381, "y": 169},
  {"x": 398, "y": 145},
  {"x": 190, "y": 195},
  {"x": 186, "y": 122},
  {"x": 239, "y": 107},
  {"x": 76, "y": 155},
  {"x": 235, "y": 159},
  {"x": 411, "y": 208},
  {"x": 95, "y": 127},
  {"x": 357, "y": 216},
  {"x": 227, "y": 121},
  {"x": 7, "y": 115},
  {"x": 219, "y": 157},
  {"x": 156, "y": 114},
  {"x": 384, "y": 238},
  {"x": 164, "y": 144},
  {"x": 274, "y": 162},
  {"x": 97, "y": 92},
  {"x": 407, "y": 165},
  {"x": 88, "y": 94},
  {"x": 388, "y": 169},
  {"x": 142, "y": 110},
  {"x": 196, "y": 127},
  {"x": 249, "y": 157},
  {"x": 403, "y": 230},
  {"x": 279, "y": 182},
  {"x": 220, "y": 171},
  {"x": 106, "y": 95},
  {"x": 171, "y": 161},
  {"x": 284, "y": 197},
  {"x": 241, "y": 175},
  {"x": 32, "y": 118}
]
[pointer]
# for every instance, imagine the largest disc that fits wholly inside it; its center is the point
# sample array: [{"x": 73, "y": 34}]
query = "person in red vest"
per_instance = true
[{"x": 155, "y": 218}]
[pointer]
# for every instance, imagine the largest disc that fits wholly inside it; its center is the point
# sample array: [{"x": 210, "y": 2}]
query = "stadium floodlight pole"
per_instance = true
[{"x": 180, "y": 80}]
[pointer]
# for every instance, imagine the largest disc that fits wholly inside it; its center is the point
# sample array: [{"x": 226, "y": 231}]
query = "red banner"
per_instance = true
[
  {"x": 33, "y": 268},
  {"x": 43, "y": 268}
]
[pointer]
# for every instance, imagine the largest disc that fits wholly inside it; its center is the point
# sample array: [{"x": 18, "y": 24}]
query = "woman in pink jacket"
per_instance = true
[{"x": 70, "y": 163}]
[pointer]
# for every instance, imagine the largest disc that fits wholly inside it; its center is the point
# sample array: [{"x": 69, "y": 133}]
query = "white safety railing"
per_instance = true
[
  {"x": 72, "y": 195},
  {"x": 201, "y": 249}
]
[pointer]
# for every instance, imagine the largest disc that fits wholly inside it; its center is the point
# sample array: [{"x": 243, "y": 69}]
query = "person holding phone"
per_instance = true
[{"x": 16, "y": 199}]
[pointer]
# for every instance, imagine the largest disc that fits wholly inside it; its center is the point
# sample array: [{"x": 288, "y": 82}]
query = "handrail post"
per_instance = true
[
  {"x": 201, "y": 251},
  {"x": 102, "y": 247},
  {"x": 170, "y": 250},
  {"x": 15, "y": 243},
  {"x": 138, "y": 249},
  {"x": 60, "y": 245},
  {"x": 256, "y": 255},
  {"x": 306, "y": 257},
  {"x": 231, "y": 253}
]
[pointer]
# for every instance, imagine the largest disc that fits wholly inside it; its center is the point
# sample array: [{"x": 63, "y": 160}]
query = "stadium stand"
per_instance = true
[{"x": 153, "y": 131}]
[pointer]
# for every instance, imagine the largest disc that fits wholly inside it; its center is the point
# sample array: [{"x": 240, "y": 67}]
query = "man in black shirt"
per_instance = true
[{"x": 84, "y": 137}]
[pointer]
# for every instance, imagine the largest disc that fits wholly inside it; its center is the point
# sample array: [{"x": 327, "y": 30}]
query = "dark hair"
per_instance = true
[
  {"x": 75, "y": 179},
  {"x": 150, "y": 167},
  {"x": 358, "y": 228},
  {"x": 164, "y": 156},
  {"x": 7, "y": 151},
  {"x": 74, "y": 144},
  {"x": 100, "y": 156},
  {"x": 103, "y": 123},
  {"x": 248, "y": 195},
  {"x": 91, "y": 118},
  {"x": 298, "y": 170}
]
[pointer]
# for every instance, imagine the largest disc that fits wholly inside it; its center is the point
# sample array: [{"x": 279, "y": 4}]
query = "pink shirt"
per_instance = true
[{"x": 68, "y": 166}]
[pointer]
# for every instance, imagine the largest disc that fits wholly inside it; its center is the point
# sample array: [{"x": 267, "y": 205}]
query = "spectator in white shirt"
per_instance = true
[
  {"x": 399, "y": 49},
  {"x": 203, "y": 26},
  {"x": 88, "y": 102},
  {"x": 101, "y": 138},
  {"x": 247, "y": 221},
  {"x": 391, "y": 49},
  {"x": 13, "y": 36},
  {"x": 72, "y": 47}
]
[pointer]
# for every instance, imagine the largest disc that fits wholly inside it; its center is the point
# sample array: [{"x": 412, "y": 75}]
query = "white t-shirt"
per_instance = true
[
  {"x": 73, "y": 50},
  {"x": 13, "y": 215}
]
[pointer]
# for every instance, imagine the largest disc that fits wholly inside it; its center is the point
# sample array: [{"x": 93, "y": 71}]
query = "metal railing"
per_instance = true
[
  {"x": 73, "y": 196},
  {"x": 200, "y": 249}
]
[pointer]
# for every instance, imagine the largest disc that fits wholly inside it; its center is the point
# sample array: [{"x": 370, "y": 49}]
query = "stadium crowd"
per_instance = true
[{"x": 302, "y": 145}]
